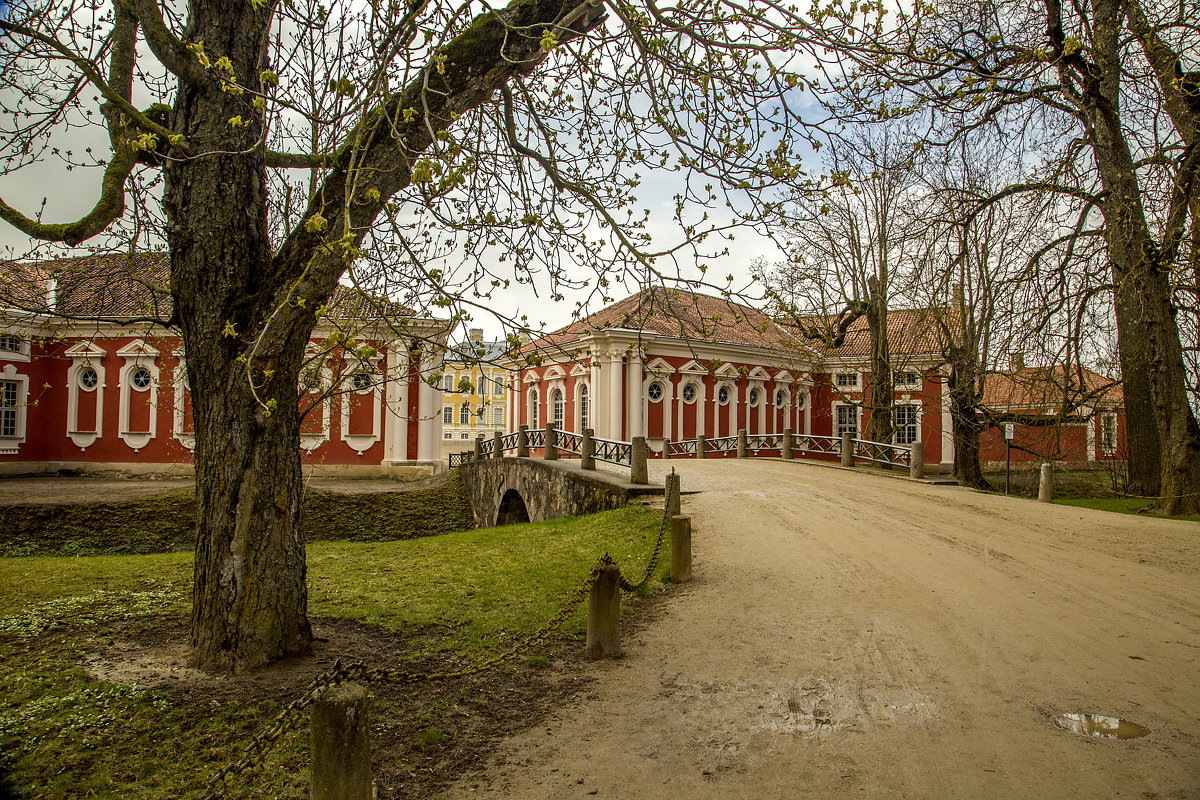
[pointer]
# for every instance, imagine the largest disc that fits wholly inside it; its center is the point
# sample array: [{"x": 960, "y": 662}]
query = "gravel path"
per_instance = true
[{"x": 850, "y": 634}]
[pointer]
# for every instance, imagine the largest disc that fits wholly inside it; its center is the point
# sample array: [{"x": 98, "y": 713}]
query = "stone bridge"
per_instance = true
[{"x": 507, "y": 490}]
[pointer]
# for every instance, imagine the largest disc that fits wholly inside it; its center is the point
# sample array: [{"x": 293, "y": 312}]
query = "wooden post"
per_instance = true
[
  {"x": 604, "y": 615},
  {"x": 1046, "y": 484},
  {"x": 523, "y": 442},
  {"x": 672, "y": 494},
  {"x": 785, "y": 449},
  {"x": 701, "y": 446},
  {"x": 550, "y": 453},
  {"x": 497, "y": 447},
  {"x": 916, "y": 461},
  {"x": 587, "y": 458},
  {"x": 847, "y": 450},
  {"x": 341, "y": 745},
  {"x": 638, "y": 471},
  {"x": 681, "y": 549},
  {"x": 741, "y": 443}
]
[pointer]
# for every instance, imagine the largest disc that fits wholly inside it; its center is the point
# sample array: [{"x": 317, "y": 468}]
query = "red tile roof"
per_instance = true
[
  {"x": 910, "y": 332},
  {"x": 1043, "y": 390},
  {"x": 678, "y": 314},
  {"x": 123, "y": 286}
]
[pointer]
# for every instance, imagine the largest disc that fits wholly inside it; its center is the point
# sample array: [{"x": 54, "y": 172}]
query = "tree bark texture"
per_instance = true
[
  {"x": 882, "y": 389},
  {"x": 964, "y": 415}
]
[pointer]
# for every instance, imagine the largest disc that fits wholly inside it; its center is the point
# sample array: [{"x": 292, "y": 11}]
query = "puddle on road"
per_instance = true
[{"x": 1103, "y": 727}]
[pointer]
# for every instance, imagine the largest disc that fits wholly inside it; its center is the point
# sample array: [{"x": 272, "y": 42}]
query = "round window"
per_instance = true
[
  {"x": 801, "y": 401},
  {"x": 360, "y": 381},
  {"x": 655, "y": 392},
  {"x": 88, "y": 378},
  {"x": 723, "y": 395},
  {"x": 141, "y": 378},
  {"x": 310, "y": 380},
  {"x": 689, "y": 393},
  {"x": 755, "y": 397},
  {"x": 780, "y": 399}
]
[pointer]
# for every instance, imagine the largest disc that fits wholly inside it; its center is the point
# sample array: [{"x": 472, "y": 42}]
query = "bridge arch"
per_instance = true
[{"x": 512, "y": 509}]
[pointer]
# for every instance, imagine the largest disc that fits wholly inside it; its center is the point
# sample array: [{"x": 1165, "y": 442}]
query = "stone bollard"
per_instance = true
[
  {"x": 742, "y": 451},
  {"x": 604, "y": 615},
  {"x": 497, "y": 446},
  {"x": 1046, "y": 484},
  {"x": 785, "y": 449},
  {"x": 916, "y": 461},
  {"x": 671, "y": 494},
  {"x": 550, "y": 453},
  {"x": 638, "y": 471},
  {"x": 666, "y": 449},
  {"x": 478, "y": 448},
  {"x": 523, "y": 442},
  {"x": 847, "y": 450},
  {"x": 681, "y": 549},
  {"x": 341, "y": 745},
  {"x": 701, "y": 447},
  {"x": 587, "y": 449}
]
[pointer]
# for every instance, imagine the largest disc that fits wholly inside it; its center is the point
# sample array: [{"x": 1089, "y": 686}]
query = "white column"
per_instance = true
[
  {"x": 396, "y": 422},
  {"x": 668, "y": 406},
  {"x": 947, "y": 461},
  {"x": 635, "y": 407},
  {"x": 595, "y": 392},
  {"x": 615, "y": 406},
  {"x": 701, "y": 399},
  {"x": 425, "y": 398}
]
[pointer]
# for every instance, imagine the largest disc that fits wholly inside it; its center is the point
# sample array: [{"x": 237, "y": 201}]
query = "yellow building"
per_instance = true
[{"x": 473, "y": 393}]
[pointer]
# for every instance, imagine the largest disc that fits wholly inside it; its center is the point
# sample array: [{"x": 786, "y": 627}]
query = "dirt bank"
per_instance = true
[{"x": 854, "y": 635}]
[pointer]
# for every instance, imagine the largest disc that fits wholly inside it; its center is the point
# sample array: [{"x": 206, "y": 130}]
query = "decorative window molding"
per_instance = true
[
  {"x": 846, "y": 380},
  {"x": 583, "y": 404},
  {"x": 372, "y": 393},
  {"x": 140, "y": 359},
  {"x": 725, "y": 394},
  {"x": 557, "y": 408},
  {"x": 755, "y": 396},
  {"x": 782, "y": 398},
  {"x": 906, "y": 422},
  {"x": 14, "y": 403},
  {"x": 801, "y": 401},
  {"x": 183, "y": 389},
  {"x": 690, "y": 392},
  {"x": 846, "y": 418},
  {"x": 1108, "y": 434},
  {"x": 655, "y": 392},
  {"x": 316, "y": 380},
  {"x": 14, "y": 347},
  {"x": 533, "y": 403},
  {"x": 85, "y": 356},
  {"x": 759, "y": 374},
  {"x": 907, "y": 380}
]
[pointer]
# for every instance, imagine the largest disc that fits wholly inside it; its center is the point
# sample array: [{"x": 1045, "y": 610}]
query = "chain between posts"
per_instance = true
[
  {"x": 662, "y": 531},
  {"x": 293, "y": 714}
]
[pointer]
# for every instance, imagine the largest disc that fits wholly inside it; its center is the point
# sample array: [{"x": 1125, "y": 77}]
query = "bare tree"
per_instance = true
[
  {"x": 444, "y": 150},
  {"x": 848, "y": 248}
]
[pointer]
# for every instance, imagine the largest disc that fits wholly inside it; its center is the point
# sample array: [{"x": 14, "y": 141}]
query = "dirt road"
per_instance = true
[{"x": 854, "y": 635}]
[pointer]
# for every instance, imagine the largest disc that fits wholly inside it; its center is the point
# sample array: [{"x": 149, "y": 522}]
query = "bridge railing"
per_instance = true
[
  {"x": 770, "y": 441},
  {"x": 817, "y": 444},
  {"x": 612, "y": 452},
  {"x": 895, "y": 455},
  {"x": 722, "y": 444},
  {"x": 684, "y": 447},
  {"x": 535, "y": 437},
  {"x": 569, "y": 443}
]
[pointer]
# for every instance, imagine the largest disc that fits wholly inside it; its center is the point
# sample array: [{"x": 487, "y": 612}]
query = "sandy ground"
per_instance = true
[{"x": 855, "y": 635}]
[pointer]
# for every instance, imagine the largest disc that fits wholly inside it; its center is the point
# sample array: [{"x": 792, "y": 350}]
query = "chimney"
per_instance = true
[
  {"x": 1016, "y": 360},
  {"x": 960, "y": 301},
  {"x": 52, "y": 293},
  {"x": 476, "y": 334}
]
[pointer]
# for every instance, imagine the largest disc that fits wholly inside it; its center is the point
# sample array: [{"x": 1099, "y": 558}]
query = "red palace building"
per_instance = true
[
  {"x": 89, "y": 380},
  {"x": 671, "y": 365}
]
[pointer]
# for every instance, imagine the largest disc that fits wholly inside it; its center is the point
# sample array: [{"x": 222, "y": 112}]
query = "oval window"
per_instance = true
[
  {"x": 723, "y": 395},
  {"x": 655, "y": 392},
  {"x": 801, "y": 401},
  {"x": 360, "y": 381},
  {"x": 88, "y": 378},
  {"x": 689, "y": 393},
  {"x": 141, "y": 378},
  {"x": 780, "y": 399},
  {"x": 755, "y": 397}
]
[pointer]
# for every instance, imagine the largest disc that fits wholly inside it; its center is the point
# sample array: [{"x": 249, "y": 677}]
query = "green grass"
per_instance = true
[
  {"x": 461, "y": 596},
  {"x": 1119, "y": 505}
]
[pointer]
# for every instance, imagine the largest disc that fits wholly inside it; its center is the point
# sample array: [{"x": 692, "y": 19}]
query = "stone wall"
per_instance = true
[{"x": 548, "y": 491}]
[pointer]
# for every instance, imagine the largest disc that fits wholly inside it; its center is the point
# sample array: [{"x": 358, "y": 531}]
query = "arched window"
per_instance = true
[
  {"x": 584, "y": 407},
  {"x": 533, "y": 407},
  {"x": 557, "y": 407}
]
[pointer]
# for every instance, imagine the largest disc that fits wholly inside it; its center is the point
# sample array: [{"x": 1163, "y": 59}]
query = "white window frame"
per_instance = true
[
  {"x": 497, "y": 416},
  {"x": 730, "y": 393},
  {"x": 907, "y": 386},
  {"x": 1108, "y": 448},
  {"x": 837, "y": 424},
  {"x": 696, "y": 392},
  {"x": 584, "y": 409},
  {"x": 447, "y": 415},
  {"x": 558, "y": 407},
  {"x": 83, "y": 355},
  {"x": 138, "y": 355},
  {"x": 22, "y": 353},
  {"x": 854, "y": 380},
  {"x": 11, "y": 445},
  {"x": 916, "y": 423},
  {"x": 662, "y": 392},
  {"x": 533, "y": 403},
  {"x": 464, "y": 413},
  {"x": 361, "y": 442}
]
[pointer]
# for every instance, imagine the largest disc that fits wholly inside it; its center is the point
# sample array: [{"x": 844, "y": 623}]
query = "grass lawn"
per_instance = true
[
  {"x": 421, "y": 604},
  {"x": 1120, "y": 505}
]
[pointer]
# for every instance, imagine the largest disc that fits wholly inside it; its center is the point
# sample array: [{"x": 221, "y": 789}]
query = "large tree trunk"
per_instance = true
[
  {"x": 1141, "y": 431},
  {"x": 964, "y": 416},
  {"x": 882, "y": 398},
  {"x": 249, "y": 603}
]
